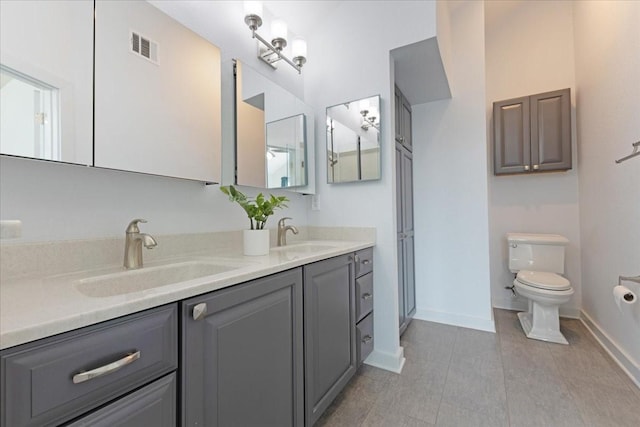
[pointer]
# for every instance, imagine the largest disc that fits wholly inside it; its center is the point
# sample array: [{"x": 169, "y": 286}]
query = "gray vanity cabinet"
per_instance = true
[
  {"x": 364, "y": 303},
  {"x": 329, "y": 332},
  {"x": 532, "y": 133},
  {"x": 51, "y": 381},
  {"x": 242, "y": 355},
  {"x": 403, "y": 119}
]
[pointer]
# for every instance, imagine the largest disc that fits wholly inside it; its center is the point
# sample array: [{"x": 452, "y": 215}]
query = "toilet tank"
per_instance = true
[{"x": 536, "y": 252}]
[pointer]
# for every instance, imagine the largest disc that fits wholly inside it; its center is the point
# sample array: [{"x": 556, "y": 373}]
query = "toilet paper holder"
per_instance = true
[{"x": 635, "y": 279}]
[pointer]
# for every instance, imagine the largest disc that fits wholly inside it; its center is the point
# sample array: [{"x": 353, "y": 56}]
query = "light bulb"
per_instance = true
[
  {"x": 279, "y": 29},
  {"x": 299, "y": 47},
  {"x": 252, "y": 14},
  {"x": 253, "y": 8}
]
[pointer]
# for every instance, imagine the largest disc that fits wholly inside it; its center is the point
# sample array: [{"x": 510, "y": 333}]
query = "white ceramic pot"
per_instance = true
[{"x": 256, "y": 242}]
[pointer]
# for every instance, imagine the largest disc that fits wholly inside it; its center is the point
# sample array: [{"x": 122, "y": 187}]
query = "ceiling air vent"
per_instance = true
[{"x": 144, "y": 47}]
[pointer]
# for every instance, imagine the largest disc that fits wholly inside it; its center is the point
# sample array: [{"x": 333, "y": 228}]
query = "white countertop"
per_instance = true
[{"x": 37, "y": 307}]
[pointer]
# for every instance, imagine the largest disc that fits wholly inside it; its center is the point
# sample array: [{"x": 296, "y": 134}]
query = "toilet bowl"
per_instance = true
[
  {"x": 545, "y": 292},
  {"x": 538, "y": 261}
]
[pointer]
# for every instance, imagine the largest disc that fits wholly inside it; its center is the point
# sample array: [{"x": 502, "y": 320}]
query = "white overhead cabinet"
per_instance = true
[
  {"x": 532, "y": 133},
  {"x": 157, "y": 94}
]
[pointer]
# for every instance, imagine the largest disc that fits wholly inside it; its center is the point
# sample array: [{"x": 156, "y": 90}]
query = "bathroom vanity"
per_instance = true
[{"x": 236, "y": 347}]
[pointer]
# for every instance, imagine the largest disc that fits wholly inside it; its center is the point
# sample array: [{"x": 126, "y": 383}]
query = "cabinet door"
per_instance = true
[
  {"x": 398, "y": 114},
  {"x": 406, "y": 281},
  {"x": 551, "y": 130},
  {"x": 511, "y": 135},
  {"x": 406, "y": 124},
  {"x": 157, "y": 102},
  {"x": 329, "y": 332},
  {"x": 152, "y": 405},
  {"x": 243, "y": 358}
]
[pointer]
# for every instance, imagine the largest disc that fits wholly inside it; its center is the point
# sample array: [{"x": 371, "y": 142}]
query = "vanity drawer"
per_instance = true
[
  {"x": 364, "y": 296},
  {"x": 364, "y": 261},
  {"x": 42, "y": 382},
  {"x": 364, "y": 335},
  {"x": 152, "y": 405}
]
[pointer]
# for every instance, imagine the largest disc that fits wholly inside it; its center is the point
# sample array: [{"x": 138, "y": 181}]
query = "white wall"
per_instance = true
[
  {"x": 349, "y": 59},
  {"x": 450, "y": 184},
  {"x": 529, "y": 50},
  {"x": 607, "y": 52}
]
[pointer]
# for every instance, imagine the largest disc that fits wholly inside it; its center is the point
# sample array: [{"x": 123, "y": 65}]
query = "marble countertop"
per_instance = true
[{"x": 40, "y": 306}]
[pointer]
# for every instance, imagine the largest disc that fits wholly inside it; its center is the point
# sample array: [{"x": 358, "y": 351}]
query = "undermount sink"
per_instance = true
[
  {"x": 304, "y": 248},
  {"x": 128, "y": 281}
]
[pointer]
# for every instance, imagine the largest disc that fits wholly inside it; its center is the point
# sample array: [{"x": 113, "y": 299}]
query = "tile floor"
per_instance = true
[{"x": 463, "y": 377}]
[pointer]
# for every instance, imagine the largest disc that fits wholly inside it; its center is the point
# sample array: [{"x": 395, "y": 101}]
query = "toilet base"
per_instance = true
[{"x": 544, "y": 329}]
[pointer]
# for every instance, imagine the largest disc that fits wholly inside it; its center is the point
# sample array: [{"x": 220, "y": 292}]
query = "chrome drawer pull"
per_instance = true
[
  {"x": 367, "y": 296},
  {"x": 366, "y": 339},
  {"x": 106, "y": 369},
  {"x": 366, "y": 261}
]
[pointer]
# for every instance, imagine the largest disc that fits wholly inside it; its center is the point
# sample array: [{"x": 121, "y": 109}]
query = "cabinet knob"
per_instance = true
[
  {"x": 536, "y": 167},
  {"x": 367, "y": 296},
  {"x": 526, "y": 167},
  {"x": 200, "y": 311},
  {"x": 357, "y": 258},
  {"x": 366, "y": 339}
]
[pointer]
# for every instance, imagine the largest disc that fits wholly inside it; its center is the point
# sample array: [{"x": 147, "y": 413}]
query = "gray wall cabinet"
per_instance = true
[
  {"x": 41, "y": 380},
  {"x": 242, "y": 359},
  {"x": 532, "y": 133},
  {"x": 404, "y": 214},
  {"x": 329, "y": 332}
]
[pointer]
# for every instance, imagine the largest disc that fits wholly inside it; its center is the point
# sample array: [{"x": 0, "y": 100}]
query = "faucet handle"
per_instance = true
[{"x": 133, "y": 225}]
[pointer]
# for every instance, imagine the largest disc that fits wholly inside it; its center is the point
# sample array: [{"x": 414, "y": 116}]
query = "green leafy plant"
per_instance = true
[{"x": 259, "y": 209}]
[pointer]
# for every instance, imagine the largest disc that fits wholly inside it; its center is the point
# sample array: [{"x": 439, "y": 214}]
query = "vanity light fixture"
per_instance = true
[
  {"x": 272, "y": 52},
  {"x": 369, "y": 116}
]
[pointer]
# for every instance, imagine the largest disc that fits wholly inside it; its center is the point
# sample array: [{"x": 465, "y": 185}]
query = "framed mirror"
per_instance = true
[
  {"x": 46, "y": 80},
  {"x": 353, "y": 141},
  {"x": 273, "y": 133}
]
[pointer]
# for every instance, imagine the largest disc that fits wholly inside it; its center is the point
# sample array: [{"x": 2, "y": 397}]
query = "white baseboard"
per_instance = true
[
  {"x": 456, "y": 320},
  {"x": 626, "y": 362},
  {"x": 388, "y": 361},
  {"x": 521, "y": 304}
]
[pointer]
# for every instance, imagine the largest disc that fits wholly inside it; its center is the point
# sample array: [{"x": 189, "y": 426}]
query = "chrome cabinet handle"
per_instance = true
[
  {"x": 536, "y": 167},
  {"x": 200, "y": 311},
  {"x": 526, "y": 167},
  {"x": 366, "y": 339},
  {"x": 357, "y": 258},
  {"x": 367, "y": 296},
  {"x": 106, "y": 369},
  {"x": 366, "y": 261}
]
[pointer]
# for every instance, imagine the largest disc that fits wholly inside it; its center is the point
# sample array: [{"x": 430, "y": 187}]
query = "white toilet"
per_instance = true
[{"x": 538, "y": 260}]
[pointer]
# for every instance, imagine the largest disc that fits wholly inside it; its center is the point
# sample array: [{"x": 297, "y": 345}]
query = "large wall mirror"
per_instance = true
[
  {"x": 273, "y": 133},
  {"x": 46, "y": 80},
  {"x": 156, "y": 108},
  {"x": 353, "y": 141}
]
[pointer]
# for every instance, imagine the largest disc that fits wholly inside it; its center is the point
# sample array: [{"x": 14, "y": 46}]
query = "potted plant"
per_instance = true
[{"x": 256, "y": 239}]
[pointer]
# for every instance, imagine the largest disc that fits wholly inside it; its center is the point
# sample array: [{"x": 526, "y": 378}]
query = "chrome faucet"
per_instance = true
[
  {"x": 282, "y": 231},
  {"x": 133, "y": 245}
]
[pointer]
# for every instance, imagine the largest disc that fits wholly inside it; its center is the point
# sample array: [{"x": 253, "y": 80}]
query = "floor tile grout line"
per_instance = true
[{"x": 446, "y": 378}]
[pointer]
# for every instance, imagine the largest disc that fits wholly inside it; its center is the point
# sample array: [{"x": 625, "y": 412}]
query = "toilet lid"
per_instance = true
[{"x": 543, "y": 280}]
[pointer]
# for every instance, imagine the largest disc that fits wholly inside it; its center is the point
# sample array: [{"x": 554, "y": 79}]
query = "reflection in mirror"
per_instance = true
[
  {"x": 285, "y": 152},
  {"x": 46, "y": 80},
  {"x": 353, "y": 141},
  {"x": 273, "y": 128}
]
